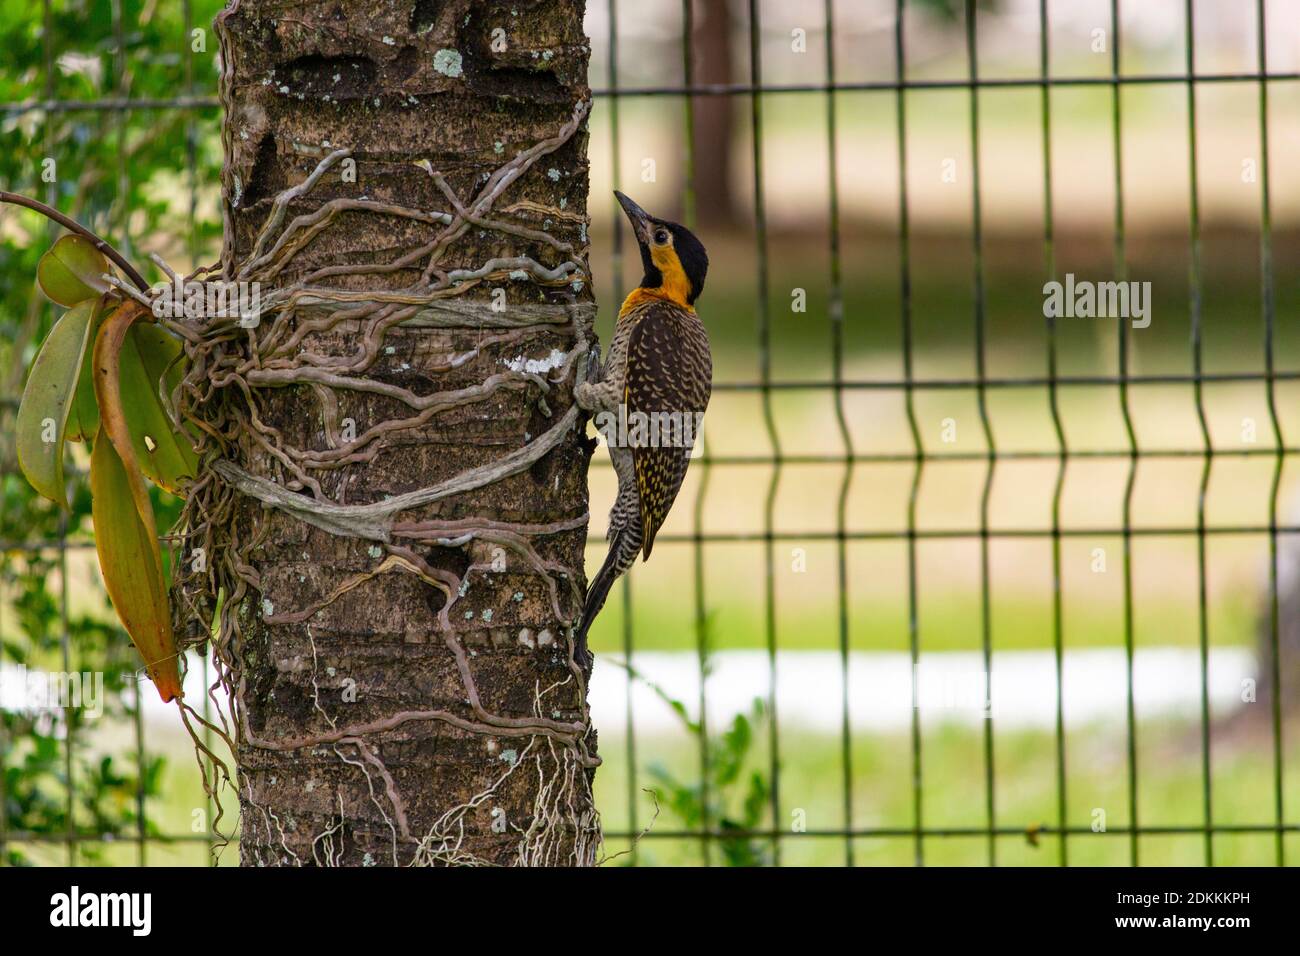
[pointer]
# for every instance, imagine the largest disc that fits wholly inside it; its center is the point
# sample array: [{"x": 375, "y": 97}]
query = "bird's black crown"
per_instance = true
[{"x": 692, "y": 255}]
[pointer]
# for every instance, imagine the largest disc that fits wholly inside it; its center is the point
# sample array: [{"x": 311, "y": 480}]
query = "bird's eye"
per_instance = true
[{"x": 661, "y": 236}]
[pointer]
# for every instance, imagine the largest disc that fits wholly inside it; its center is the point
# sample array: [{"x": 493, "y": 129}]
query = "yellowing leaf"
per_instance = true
[
  {"x": 72, "y": 270},
  {"x": 149, "y": 367},
  {"x": 42, "y": 423},
  {"x": 127, "y": 541},
  {"x": 133, "y": 362},
  {"x": 107, "y": 375}
]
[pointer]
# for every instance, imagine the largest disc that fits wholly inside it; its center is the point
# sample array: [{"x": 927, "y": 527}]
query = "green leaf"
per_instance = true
[
  {"x": 150, "y": 356},
  {"x": 42, "y": 423},
  {"x": 131, "y": 563},
  {"x": 72, "y": 271},
  {"x": 83, "y": 421}
]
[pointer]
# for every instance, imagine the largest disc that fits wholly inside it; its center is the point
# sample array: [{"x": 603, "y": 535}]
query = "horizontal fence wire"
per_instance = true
[
  {"x": 614, "y": 91},
  {"x": 921, "y": 458}
]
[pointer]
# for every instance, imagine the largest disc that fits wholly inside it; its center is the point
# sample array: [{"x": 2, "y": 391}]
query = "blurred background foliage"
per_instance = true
[
  {"x": 124, "y": 174},
  {"x": 147, "y": 178}
]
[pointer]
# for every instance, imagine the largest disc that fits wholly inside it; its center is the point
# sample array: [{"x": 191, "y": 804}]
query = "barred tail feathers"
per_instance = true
[{"x": 624, "y": 545}]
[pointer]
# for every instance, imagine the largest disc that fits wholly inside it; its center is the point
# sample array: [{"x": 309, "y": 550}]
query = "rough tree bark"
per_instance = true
[{"x": 404, "y": 688}]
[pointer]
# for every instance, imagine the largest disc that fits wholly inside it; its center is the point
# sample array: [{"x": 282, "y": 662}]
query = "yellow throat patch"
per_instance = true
[{"x": 675, "y": 286}]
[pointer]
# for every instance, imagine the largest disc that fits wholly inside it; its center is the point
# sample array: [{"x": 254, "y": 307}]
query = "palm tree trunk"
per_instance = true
[{"x": 403, "y": 682}]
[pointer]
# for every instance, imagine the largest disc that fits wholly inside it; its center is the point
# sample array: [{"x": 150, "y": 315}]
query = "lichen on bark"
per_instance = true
[{"x": 394, "y": 503}]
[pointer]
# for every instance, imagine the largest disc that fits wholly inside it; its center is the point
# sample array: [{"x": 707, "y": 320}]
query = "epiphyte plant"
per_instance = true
[{"x": 105, "y": 374}]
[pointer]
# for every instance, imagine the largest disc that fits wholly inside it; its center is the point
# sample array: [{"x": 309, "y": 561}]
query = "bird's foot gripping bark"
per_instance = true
[
  {"x": 588, "y": 396},
  {"x": 601, "y": 397}
]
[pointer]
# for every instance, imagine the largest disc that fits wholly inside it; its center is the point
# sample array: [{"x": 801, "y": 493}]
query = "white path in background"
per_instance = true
[{"x": 1167, "y": 683}]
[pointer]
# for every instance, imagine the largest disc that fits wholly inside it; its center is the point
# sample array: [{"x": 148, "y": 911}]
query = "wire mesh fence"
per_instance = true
[{"x": 692, "y": 540}]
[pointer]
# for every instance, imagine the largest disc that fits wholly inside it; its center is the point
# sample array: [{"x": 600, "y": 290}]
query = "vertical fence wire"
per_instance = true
[
  {"x": 616, "y": 267},
  {"x": 918, "y": 448},
  {"x": 1058, "y": 428},
  {"x": 981, "y": 398},
  {"x": 1130, "y": 484},
  {"x": 65, "y": 642},
  {"x": 835, "y": 307},
  {"x": 1267, "y": 310},
  {"x": 1198, "y": 372},
  {"x": 700, "y": 607},
  {"x": 764, "y": 319}
]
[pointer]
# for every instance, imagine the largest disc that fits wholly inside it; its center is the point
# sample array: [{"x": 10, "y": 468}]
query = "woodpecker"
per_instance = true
[{"x": 650, "y": 396}]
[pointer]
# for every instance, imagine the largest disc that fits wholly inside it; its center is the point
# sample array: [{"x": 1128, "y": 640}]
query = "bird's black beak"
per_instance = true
[{"x": 639, "y": 218}]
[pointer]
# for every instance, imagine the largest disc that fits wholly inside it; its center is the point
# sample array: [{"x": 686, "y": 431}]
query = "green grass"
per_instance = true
[
  {"x": 811, "y": 783},
  {"x": 737, "y": 622},
  {"x": 1169, "y": 788}
]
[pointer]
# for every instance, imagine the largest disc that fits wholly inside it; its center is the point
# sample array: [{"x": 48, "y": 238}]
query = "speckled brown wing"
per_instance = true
[{"x": 669, "y": 370}]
